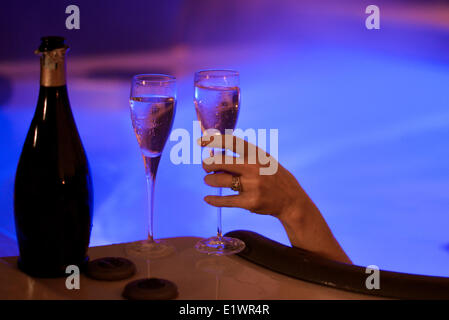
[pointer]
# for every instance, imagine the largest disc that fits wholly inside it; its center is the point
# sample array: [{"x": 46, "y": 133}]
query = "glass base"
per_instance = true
[
  {"x": 149, "y": 249},
  {"x": 220, "y": 247}
]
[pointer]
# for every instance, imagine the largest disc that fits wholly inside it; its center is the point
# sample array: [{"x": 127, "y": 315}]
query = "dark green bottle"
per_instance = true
[{"x": 53, "y": 199}]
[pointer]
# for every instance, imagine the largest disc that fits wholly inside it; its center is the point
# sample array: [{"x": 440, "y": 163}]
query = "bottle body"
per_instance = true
[{"x": 53, "y": 200}]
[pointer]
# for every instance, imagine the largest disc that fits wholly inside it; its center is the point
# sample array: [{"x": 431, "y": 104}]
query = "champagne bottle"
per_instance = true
[{"x": 53, "y": 199}]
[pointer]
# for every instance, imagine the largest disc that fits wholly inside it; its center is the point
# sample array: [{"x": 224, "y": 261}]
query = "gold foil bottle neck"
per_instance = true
[{"x": 53, "y": 67}]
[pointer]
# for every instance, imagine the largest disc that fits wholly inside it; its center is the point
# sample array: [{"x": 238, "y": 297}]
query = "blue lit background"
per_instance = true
[{"x": 363, "y": 116}]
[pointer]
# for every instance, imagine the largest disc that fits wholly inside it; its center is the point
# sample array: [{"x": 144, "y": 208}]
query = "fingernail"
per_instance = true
[{"x": 205, "y": 143}]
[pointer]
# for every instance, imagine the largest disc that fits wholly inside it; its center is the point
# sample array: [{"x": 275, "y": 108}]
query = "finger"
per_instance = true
[
  {"x": 229, "y": 142},
  {"x": 225, "y": 201},
  {"x": 223, "y": 180},
  {"x": 221, "y": 158},
  {"x": 224, "y": 163}
]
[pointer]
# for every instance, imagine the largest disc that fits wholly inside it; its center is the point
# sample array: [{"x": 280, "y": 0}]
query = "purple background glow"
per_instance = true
[{"x": 363, "y": 115}]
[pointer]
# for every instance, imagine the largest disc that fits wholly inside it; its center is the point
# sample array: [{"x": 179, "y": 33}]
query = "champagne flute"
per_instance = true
[
  {"x": 152, "y": 104},
  {"x": 217, "y": 105}
]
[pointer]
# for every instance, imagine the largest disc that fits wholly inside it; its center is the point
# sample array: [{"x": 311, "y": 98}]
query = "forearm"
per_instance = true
[
  {"x": 307, "y": 229},
  {"x": 278, "y": 194}
]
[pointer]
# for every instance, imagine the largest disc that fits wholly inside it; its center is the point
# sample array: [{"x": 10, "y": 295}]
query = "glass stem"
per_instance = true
[
  {"x": 151, "y": 165},
  {"x": 219, "y": 227},
  {"x": 150, "y": 194},
  {"x": 219, "y": 193}
]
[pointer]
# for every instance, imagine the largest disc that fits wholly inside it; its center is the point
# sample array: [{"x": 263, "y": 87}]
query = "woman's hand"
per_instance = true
[
  {"x": 268, "y": 188},
  {"x": 272, "y": 194}
]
